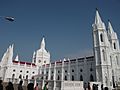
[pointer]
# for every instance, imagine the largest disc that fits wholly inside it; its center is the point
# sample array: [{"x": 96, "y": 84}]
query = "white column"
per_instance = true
[
  {"x": 54, "y": 77},
  {"x": 62, "y": 76},
  {"x": 69, "y": 70},
  {"x": 76, "y": 71},
  {"x": 49, "y": 73}
]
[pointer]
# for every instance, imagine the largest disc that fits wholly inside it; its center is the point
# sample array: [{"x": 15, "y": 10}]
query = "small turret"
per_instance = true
[
  {"x": 110, "y": 28},
  {"x": 43, "y": 43},
  {"x": 34, "y": 57},
  {"x": 17, "y": 59}
]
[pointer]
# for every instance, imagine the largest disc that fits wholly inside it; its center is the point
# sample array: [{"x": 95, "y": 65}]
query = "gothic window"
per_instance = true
[
  {"x": 33, "y": 72},
  {"x": 65, "y": 71},
  {"x": 91, "y": 78},
  {"x": 81, "y": 70},
  {"x": 14, "y": 70},
  {"x": 111, "y": 60},
  {"x": 20, "y": 77},
  {"x": 51, "y": 77},
  {"x": 72, "y": 70},
  {"x": 41, "y": 77},
  {"x": 114, "y": 45},
  {"x": 58, "y": 78},
  {"x": 81, "y": 78},
  {"x": 46, "y": 77},
  {"x": 52, "y": 72},
  {"x": 103, "y": 54},
  {"x": 72, "y": 78},
  {"x": 26, "y": 76},
  {"x": 13, "y": 76},
  {"x": 65, "y": 77},
  {"x": 101, "y": 37},
  {"x": 58, "y": 71}
]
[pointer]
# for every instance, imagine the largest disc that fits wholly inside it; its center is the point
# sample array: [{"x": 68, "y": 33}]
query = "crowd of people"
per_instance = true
[{"x": 30, "y": 86}]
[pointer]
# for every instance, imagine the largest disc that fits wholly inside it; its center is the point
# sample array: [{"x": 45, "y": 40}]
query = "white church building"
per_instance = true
[{"x": 103, "y": 66}]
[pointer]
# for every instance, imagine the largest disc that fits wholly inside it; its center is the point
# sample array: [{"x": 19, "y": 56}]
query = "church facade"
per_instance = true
[{"x": 103, "y": 66}]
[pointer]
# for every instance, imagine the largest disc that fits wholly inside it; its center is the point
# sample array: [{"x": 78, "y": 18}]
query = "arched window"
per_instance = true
[
  {"x": 72, "y": 78},
  {"x": 20, "y": 77},
  {"x": 58, "y": 78},
  {"x": 114, "y": 45},
  {"x": 111, "y": 60},
  {"x": 65, "y": 77},
  {"x": 91, "y": 78},
  {"x": 72, "y": 70},
  {"x": 13, "y": 76},
  {"x": 46, "y": 77},
  {"x": 103, "y": 54},
  {"x": 51, "y": 77},
  {"x": 101, "y": 37},
  {"x": 26, "y": 76},
  {"x": 81, "y": 78}
]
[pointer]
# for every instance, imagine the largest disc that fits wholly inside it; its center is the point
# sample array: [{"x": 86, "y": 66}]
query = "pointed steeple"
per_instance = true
[
  {"x": 98, "y": 21},
  {"x": 110, "y": 28},
  {"x": 17, "y": 59},
  {"x": 97, "y": 18},
  {"x": 10, "y": 54},
  {"x": 43, "y": 43},
  {"x": 34, "y": 57}
]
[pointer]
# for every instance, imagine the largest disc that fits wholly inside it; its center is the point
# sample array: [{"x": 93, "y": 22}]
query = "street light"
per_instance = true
[{"x": 9, "y": 18}]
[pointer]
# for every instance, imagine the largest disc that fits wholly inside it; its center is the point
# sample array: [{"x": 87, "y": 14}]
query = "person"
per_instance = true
[
  {"x": 85, "y": 86},
  {"x": 106, "y": 88},
  {"x": 89, "y": 87},
  {"x": 102, "y": 87},
  {"x": 10, "y": 86},
  {"x": 1, "y": 86},
  {"x": 45, "y": 87},
  {"x": 20, "y": 85},
  {"x": 36, "y": 87},
  {"x": 30, "y": 86}
]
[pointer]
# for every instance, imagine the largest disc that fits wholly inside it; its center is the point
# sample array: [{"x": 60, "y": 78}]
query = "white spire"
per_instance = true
[
  {"x": 17, "y": 59},
  {"x": 34, "y": 57},
  {"x": 10, "y": 51},
  {"x": 43, "y": 43},
  {"x": 110, "y": 28},
  {"x": 97, "y": 18},
  {"x": 98, "y": 21}
]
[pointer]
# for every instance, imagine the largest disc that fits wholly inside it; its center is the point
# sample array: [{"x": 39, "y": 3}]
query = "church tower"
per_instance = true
[
  {"x": 101, "y": 52},
  {"x": 114, "y": 53},
  {"x": 41, "y": 56}
]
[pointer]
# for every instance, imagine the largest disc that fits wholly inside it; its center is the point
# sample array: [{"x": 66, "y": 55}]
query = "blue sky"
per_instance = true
[{"x": 66, "y": 25}]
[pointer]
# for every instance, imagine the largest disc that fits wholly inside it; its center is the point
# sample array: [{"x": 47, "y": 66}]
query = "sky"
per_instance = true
[{"x": 65, "y": 24}]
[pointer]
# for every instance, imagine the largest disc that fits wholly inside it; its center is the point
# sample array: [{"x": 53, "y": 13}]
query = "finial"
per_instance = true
[{"x": 96, "y": 9}]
